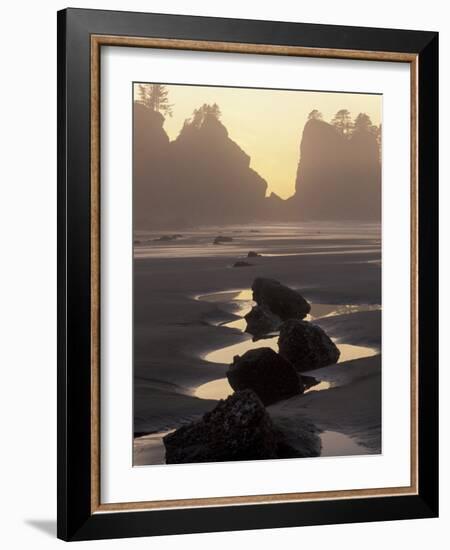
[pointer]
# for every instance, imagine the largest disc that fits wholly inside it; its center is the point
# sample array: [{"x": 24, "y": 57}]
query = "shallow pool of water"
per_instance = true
[
  {"x": 221, "y": 389},
  {"x": 226, "y": 354},
  {"x": 323, "y": 385},
  {"x": 339, "y": 444},
  {"x": 216, "y": 389}
]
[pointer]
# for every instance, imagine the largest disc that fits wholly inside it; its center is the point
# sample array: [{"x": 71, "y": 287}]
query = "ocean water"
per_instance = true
[{"x": 271, "y": 240}]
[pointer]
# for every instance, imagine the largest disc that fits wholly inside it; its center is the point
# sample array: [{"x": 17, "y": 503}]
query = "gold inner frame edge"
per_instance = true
[{"x": 97, "y": 41}]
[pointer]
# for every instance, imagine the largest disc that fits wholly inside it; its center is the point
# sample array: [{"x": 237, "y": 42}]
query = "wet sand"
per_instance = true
[
  {"x": 352, "y": 405},
  {"x": 174, "y": 331}
]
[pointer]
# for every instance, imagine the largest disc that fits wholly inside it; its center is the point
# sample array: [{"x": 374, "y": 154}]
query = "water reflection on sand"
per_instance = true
[
  {"x": 339, "y": 444},
  {"x": 220, "y": 388},
  {"x": 226, "y": 354},
  {"x": 149, "y": 449}
]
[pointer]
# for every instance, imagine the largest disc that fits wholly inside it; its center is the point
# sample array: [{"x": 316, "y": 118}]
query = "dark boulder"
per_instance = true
[
  {"x": 261, "y": 321},
  {"x": 253, "y": 254},
  {"x": 222, "y": 239},
  {"x": 279, "y": 299},
  {"x": 306, "y": 346},
  {"x": 240, "y": 263},
  {"x": 270, "y": 376},
  {"x": 238, "y": 428}
]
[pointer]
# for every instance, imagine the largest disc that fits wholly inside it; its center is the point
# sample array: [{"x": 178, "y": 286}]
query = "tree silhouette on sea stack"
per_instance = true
[
  {"x": 342, "y": 121},
  {"x": 156, "y": 98},
  {"x": 315, "y": 115},
  {"x": 202, "y": 113}
]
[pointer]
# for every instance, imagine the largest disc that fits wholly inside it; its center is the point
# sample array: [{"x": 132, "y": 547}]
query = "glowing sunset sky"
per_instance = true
[{"x": 267, "y": 124}]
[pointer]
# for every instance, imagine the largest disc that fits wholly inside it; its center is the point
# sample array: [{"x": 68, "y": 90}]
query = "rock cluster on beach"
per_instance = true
[
  {"x": 302, "y": 345},
  {"x": 265, "y": 372},
  {"x": 239, "y": 428}
]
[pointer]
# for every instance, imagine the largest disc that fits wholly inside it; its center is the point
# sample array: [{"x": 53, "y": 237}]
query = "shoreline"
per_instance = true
[
  {"x": 326, "y": 409},
  {"x": 174, "y": 330}
]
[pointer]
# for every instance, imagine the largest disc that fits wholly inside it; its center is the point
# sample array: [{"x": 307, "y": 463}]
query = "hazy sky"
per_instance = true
[{"x": 267, "y": 124}]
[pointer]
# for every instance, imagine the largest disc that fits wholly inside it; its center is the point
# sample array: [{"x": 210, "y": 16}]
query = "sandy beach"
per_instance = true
[{"x": 188, "y": 306}]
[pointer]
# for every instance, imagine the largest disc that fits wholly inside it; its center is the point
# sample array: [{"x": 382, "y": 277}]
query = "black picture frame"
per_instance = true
[{"x": 76, "y": 521}]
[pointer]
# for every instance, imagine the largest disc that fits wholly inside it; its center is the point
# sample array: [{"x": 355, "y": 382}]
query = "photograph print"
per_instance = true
[{"x": 256, "y": 274}]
